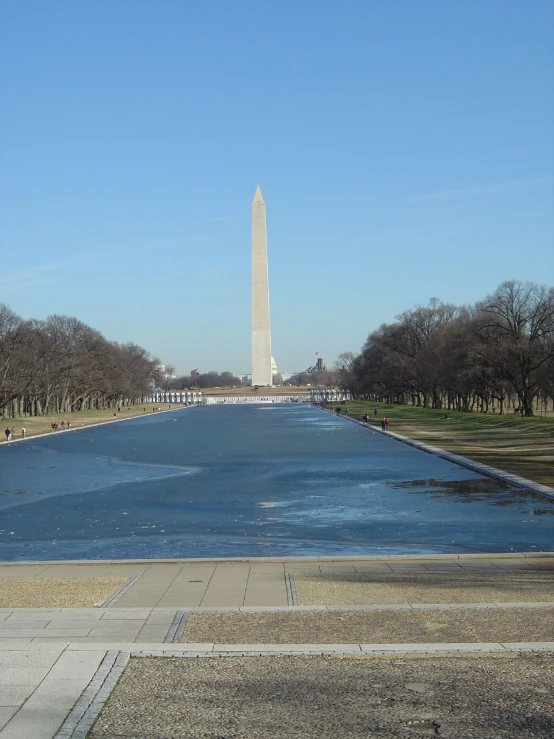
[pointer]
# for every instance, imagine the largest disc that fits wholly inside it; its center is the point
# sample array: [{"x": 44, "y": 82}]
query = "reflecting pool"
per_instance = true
[{"x": 251, "y": 480}]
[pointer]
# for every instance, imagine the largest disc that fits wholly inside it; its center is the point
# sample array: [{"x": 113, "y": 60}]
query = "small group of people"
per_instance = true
[
  {"x": 10, "y": 433},
  {"x": 64, "y": 425},
  {"x": 385, "y": 423}
]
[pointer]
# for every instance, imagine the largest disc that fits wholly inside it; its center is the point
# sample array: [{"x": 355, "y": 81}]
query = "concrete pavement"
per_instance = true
[
  {"x": 56, "y": 663},
  {"x": 254, "y": 582}
]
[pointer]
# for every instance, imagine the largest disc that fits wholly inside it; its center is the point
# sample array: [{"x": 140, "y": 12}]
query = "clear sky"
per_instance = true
[{"x": 404, "y": 148}]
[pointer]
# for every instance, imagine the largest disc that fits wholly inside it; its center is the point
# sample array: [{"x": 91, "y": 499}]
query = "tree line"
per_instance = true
[
  {"x": 496, "y": 355},
  {"x": 328, "y": 378},
  {"x": 204, "y": 380},
  {"x": 61, "y": 365}
]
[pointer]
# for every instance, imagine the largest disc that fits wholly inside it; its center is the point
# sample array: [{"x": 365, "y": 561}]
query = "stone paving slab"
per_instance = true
[
  {"x": 416, "y": 626},
  {"x": 216, "y": 650},
  {"x": 6, "y": 713},
  {"x": 89, "y": 625},
  {"x": 35, "y": 591},
  {"x": 424, "y": 587},
  {"x": 495, "y": 696},
  {"x": 35, "y": 700}
]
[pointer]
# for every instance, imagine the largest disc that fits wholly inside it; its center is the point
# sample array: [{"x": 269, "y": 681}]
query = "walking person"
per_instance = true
[
  {"x": 68, "y": 425},
  {"x": 8, "y": 434},
  {"x": 383, "y": 425},
  {"x": 12, "y": 430},
  {"x": 23, "y": 431},
  {"x": 387, "y": 424}
]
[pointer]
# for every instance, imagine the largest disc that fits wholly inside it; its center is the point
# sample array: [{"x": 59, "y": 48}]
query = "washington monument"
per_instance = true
[{"x": 261, "y": 335}]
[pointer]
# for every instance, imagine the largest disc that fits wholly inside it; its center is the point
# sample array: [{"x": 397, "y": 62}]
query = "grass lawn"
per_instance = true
[
  {"x": 522, "y": 446},
  {"x": 42, "y": 424}
]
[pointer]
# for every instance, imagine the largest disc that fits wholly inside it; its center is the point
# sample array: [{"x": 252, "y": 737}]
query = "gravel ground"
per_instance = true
[
  {"x": 378, "y": 627},
  {"x": 455, "y": 697},
  {"x": 393, "y": 588},
  {"x": 57, "y": 592}
]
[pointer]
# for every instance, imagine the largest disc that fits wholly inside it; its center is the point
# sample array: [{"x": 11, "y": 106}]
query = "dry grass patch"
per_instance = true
[
  {"x": 325, "y": 697},
  {"x": 394, "y": 588},
  {"x": 378, "y": 627},
  {"x": 57, "y": 592}
]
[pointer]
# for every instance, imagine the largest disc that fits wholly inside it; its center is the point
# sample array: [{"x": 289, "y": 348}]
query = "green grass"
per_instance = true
[
  {"x": 522, "y": 446},
  {"x": 37, "y": 425}
]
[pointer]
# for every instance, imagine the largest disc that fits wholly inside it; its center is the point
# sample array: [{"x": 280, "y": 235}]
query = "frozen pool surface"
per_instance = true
[{"x": 227, "y": 481}]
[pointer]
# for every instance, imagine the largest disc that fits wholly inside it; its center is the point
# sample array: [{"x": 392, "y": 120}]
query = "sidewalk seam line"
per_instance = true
[
  {"x": 85, "y": 711},
  {"x": 114, "y": 596}
]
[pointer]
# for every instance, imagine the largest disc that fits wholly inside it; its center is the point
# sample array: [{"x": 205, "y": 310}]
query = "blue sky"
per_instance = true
[{"x": 404, "y": 150}]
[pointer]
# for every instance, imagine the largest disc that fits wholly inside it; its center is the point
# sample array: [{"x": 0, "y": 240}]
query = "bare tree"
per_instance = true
[
  {"x": 62, "y": 365},
  {"x": 465, "y": 358},
  {"x": 343, "y": 363},
  {"x": 518, "y": 320},
  {"x": 205, "y": 380},
  {"x": 342, "y": 371}
]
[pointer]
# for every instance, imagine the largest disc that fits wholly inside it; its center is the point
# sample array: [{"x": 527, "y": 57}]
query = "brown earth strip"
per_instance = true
[
  {"x": 57, "y": 592},
  {"x": 391, "y": 588},
  {"x": 373, "y": 627},
  {"x": 325, "y": 697}
]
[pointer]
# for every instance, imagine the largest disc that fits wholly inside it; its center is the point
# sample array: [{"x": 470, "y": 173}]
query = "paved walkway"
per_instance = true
[
  {"x": 260, "y": 583},
  {"x": 49, "y": 656}
]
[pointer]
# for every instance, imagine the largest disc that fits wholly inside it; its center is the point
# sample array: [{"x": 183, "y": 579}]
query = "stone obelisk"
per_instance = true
[{"x": 261, "y": 336}]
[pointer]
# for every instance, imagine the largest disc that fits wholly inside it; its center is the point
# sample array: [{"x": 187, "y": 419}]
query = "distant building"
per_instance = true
[
  {"x": 247, "y": 378},
  {"x": 163, "y": 371}
]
